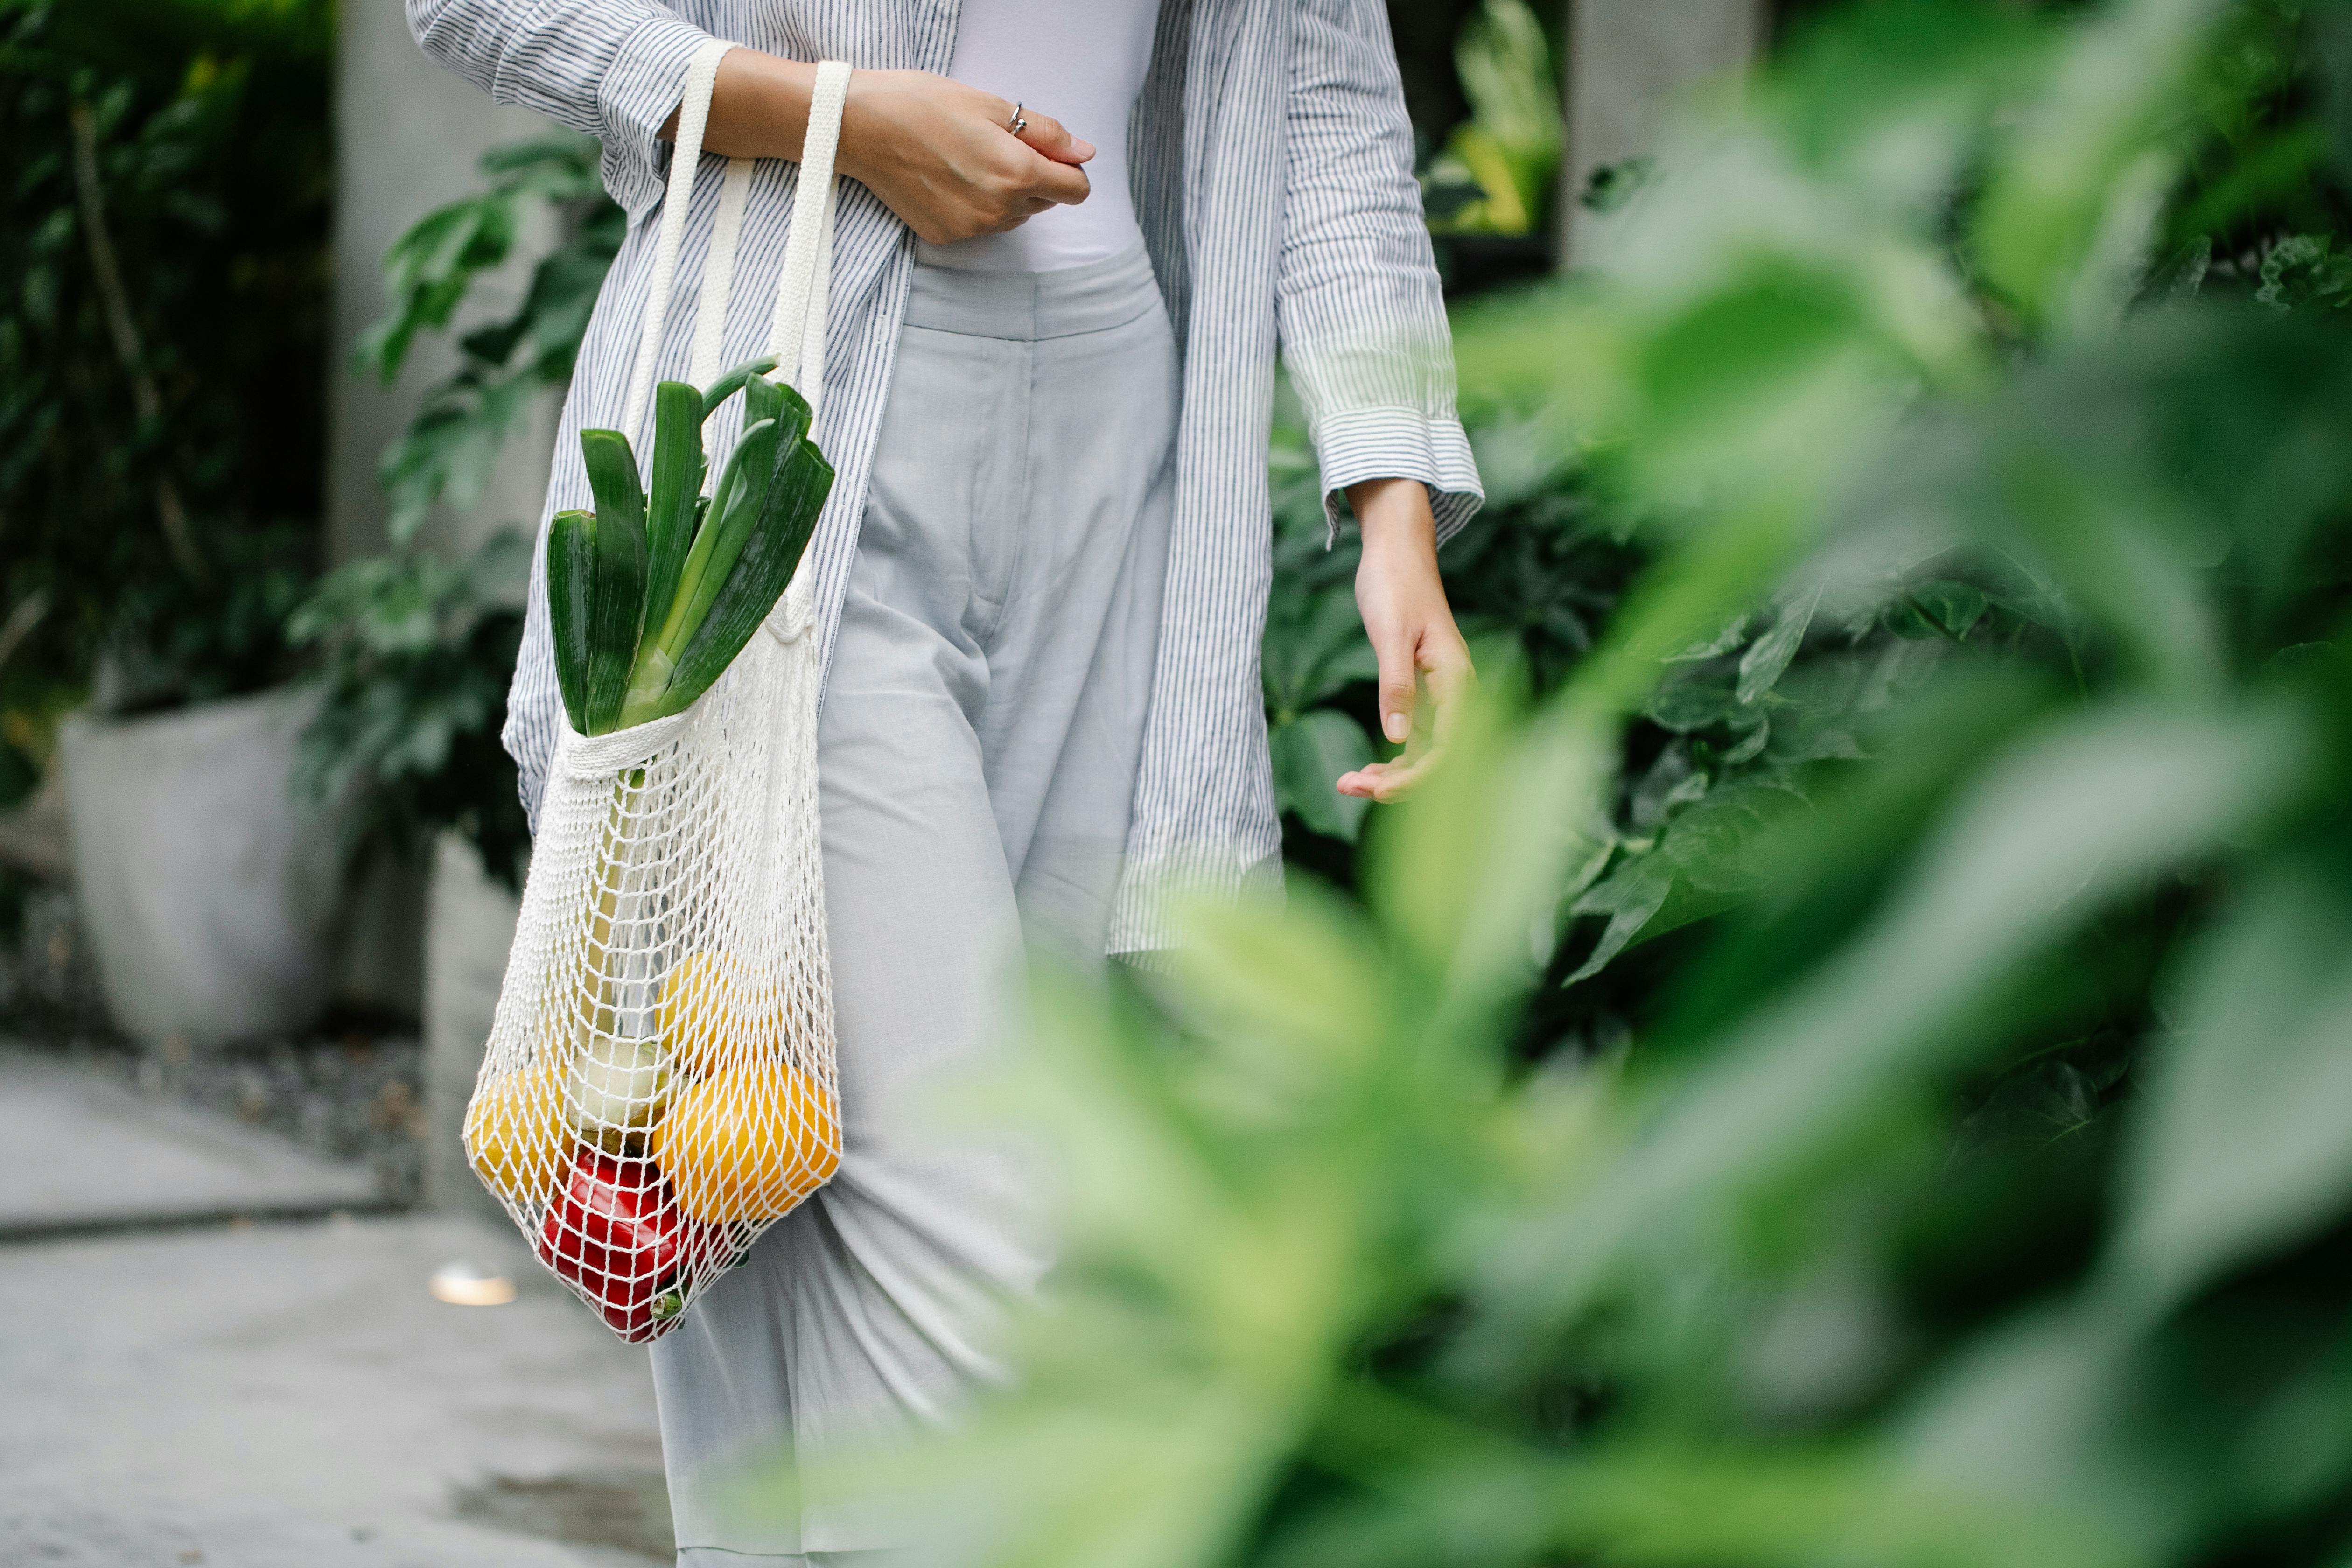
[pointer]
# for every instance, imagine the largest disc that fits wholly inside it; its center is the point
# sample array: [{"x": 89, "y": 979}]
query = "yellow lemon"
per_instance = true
[
  {"x": 747, "y": 1143},
  {"x": 701, "y": 1017},
  {"x": 517, "y": 1135}
]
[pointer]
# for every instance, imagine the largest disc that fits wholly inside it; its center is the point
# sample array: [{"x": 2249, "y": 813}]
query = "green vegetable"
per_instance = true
[
  {"x": 761, "y": 572},
  {"x": 571, "y": 545},
  {"x": 654, "y": 596},
  {"x": 733, "y": 381},
  {"x": 672, "y": 510},
  {"x": 616, "y": 595}
]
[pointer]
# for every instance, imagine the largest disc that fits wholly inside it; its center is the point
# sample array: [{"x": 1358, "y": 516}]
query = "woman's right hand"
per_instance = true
[{"x": 939, "y": 153}]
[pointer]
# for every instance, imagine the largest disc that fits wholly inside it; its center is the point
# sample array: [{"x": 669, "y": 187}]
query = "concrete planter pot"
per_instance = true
[
  {"x": 470, "y": 924},
  {"x": 212, "y": 895}
]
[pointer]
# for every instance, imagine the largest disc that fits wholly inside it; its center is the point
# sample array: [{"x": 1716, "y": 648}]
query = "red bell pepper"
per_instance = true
[{"x": 615, "y": 1231}]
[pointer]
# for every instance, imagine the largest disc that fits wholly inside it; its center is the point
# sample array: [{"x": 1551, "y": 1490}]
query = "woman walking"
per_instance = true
[{"x": 1072, "y": 234}]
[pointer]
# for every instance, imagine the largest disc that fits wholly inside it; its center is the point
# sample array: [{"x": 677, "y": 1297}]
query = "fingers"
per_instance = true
[
  {"x": 1051, "y": 137},
  {"x": 1399, "y": 682},
  {"x": 1388, "y": 783},
  {"x": 1059, "y": 183},
  {"x": 1451, "y": 679},
  {"x": 1442, "y": 666}
]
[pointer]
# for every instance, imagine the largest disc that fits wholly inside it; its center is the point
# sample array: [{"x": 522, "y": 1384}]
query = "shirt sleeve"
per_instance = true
[
  {"x": 614, "y": 70},
  {"x": 1362, "y": 317},
  {"x": 535, "y": 715}
]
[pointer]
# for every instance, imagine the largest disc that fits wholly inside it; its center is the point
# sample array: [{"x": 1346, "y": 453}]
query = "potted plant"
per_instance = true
[{"x": 160, "y": 477}]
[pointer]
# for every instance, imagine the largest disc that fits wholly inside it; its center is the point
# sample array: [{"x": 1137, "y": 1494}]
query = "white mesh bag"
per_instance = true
[{"x": 659, "y": 1085}]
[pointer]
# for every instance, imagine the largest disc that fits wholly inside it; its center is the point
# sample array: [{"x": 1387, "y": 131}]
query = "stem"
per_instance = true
[
  {"x": 690, "y": 578},
  {"x": 21, "y": 622},
  {"x": 603, "y": 982},
  {"x": 125, "y": 329},
  {"x": 646, "y": 684}
]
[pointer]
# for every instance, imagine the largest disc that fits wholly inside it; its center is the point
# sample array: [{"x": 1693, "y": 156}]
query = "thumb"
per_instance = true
[
  {"x": 1049, "y": 136},
  {"x": 1398, "y": 683}
]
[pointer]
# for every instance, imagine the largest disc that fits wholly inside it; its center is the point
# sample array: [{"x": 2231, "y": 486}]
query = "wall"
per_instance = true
[
  {"x": 1627, "y": 61},
  {"x": 409, "y": 136}
]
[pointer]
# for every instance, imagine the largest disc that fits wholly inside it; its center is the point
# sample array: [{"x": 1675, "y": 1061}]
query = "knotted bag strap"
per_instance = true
[{"x": 797, "y": 331}]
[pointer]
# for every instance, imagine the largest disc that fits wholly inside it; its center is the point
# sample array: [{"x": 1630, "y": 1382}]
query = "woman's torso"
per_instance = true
[{"x": 1082, "y": 62}]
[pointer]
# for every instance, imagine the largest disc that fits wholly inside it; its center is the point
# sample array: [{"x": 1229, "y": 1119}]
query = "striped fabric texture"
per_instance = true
[{"x": 1272, "y": 167}]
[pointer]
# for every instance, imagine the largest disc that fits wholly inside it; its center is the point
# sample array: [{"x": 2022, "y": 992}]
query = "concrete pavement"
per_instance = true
[
  {"x": 86, "y": 1154},
  {"x": 289, "y": 1396}
]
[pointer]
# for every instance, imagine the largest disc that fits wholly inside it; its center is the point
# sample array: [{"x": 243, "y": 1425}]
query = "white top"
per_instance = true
[{"x": 1083, "y": 62}]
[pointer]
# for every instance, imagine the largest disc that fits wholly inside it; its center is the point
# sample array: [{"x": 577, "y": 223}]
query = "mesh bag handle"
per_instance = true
[
  {"x": 797, "y": 331},
  {"x": 796, "y": 336}
]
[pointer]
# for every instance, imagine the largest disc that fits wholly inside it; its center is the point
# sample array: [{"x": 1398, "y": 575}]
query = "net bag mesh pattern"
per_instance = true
[{"x": 658, "y": 1086}]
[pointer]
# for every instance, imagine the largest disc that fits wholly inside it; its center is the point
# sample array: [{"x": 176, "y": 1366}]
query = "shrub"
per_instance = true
[
  {"x": 1974, "y": 1185},
  {"x": 164, "y": 229}
]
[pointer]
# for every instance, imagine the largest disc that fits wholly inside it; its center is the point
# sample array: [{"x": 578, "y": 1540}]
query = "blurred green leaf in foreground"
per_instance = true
[{"x": 1974, "y": 1187}]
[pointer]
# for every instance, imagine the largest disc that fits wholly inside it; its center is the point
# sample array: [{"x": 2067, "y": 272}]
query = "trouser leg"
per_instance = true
[
  {"x": 1002, "y": 603},
  {"x": 866, "y": 1308}
]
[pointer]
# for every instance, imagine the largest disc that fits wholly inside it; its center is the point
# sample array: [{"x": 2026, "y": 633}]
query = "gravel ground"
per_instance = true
[
  {"x": 48, "y": 979},
  {"x": 353, "y": 1089}
]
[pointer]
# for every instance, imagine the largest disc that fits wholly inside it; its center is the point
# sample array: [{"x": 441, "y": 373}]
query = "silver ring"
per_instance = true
[{"x": 1020, "y": 122}]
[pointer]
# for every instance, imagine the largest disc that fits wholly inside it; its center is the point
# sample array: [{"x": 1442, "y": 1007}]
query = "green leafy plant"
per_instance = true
[
  {"x": 164, "y": 231},
  {"x": 416, "y": 652},
  {"x": 1975, "y": 1188},
  {"x": 1495, "y": 175},
  {"x": 506, "y": 368}
]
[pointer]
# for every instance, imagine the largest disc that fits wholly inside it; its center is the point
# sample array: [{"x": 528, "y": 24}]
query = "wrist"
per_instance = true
[
  {"x": 759, "y": 107},
  {"x": 1394, "y": 516},
  {"x": 857, "y": 124}
]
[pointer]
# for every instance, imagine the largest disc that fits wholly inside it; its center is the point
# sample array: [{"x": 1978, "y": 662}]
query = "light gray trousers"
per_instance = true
[{"x": 977, "y": 751}]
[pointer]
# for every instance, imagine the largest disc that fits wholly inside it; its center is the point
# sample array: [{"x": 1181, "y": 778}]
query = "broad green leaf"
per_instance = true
[
  {"x": 2025, "y": 1421},
  {"x": 1466, "y": 871},
  {"x": 2243, "y": 1140},
  {"x": 1957, "y": 607},
  {"x": 2051, "y": 832},
  {"x": 1631, "y": 896},
  {"x": 1310, "y": 753},
  {"x": 2062, "y": 181},
  {"x": 1761, "y": 667}
]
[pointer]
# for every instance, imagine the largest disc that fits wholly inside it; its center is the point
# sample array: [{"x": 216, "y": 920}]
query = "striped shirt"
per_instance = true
[{"x": 1271, "y": 164}]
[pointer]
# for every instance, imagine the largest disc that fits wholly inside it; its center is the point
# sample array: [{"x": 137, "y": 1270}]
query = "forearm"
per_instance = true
[
  {"x": 939, "y": 153},
  {"x": 759, "y": 107}
]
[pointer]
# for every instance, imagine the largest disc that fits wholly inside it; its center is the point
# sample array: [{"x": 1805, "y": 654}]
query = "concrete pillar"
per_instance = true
[
  {"x": 470, "y": 925},
  {"x": 1627, "y": 62},
  {"x": 409, "y": 136}
]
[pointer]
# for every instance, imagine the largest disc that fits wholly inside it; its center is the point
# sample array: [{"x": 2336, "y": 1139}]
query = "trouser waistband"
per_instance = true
[{"x": 1028, "y": 306}]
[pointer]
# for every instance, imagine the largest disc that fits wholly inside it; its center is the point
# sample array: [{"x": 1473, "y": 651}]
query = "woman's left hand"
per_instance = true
[{"x": 1411, "y": 626}]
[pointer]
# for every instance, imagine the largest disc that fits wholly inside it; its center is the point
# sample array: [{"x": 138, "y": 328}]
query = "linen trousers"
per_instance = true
[{"x": 977, "y": 757}]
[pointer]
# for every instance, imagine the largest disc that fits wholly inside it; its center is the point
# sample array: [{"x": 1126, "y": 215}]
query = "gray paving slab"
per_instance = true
[
  {"x": 291, "y": 1396},
  {"x": 85, "y": 1153}
]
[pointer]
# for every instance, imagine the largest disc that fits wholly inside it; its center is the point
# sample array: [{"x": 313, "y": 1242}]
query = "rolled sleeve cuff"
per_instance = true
[
  {"x": 1399, "y": 444},
  {"x": 640, "y": 91}
]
